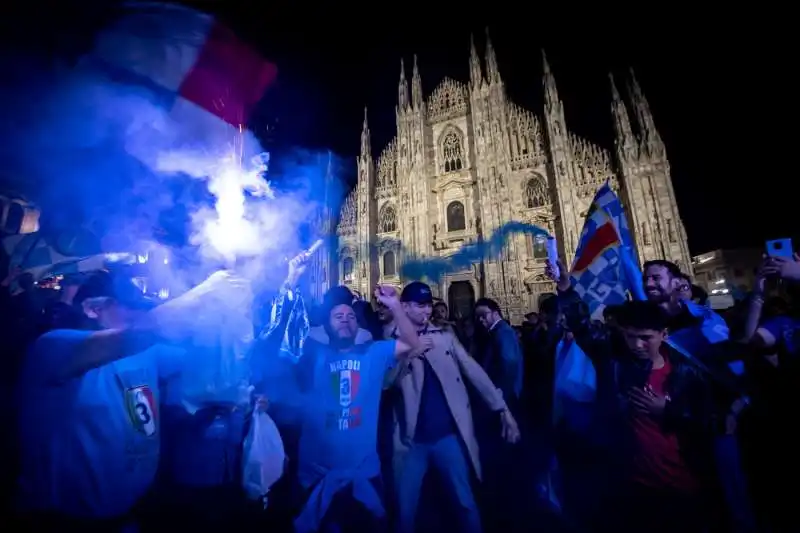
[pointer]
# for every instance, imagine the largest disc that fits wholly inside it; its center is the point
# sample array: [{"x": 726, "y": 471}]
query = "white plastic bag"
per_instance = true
[
  {"x": 576, "y": 378},
  {"x": 264, "y": 457}
]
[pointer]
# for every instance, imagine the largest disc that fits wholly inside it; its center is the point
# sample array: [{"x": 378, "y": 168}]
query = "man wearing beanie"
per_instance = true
[
  {"x": 340, "y": 376},
  {"x": 433, "y": 424}
]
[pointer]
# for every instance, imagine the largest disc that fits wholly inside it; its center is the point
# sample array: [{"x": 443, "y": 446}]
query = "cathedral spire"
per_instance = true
[
  {"x": 624, "y": 139},
  {"x": 615, "y": 98},
  {"x": 402, "y": 88},
  {"x": 644, "y": 118},
  {"x": 475, "y": 70},
  {"x": 366, "y": 148},
  {"x": 416, "y": 87},
  {"x": 551, "y": 98},
  {"x": 492, "y": 71}
]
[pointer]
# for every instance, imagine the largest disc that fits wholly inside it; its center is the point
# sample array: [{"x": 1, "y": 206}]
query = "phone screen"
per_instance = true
[{"x": 780, "y": 248}]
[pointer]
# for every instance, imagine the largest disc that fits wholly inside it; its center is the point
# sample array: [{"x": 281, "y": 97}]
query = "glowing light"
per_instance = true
[
  {"x": 233, "y": 232},
  {"x": 118, "y": 257},
  {"x": 163, "y": 294},
  {"x": 142, "y": 258}
]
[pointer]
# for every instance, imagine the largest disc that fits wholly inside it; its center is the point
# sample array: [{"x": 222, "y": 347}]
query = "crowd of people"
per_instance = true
[{"x": 394, "y": 416}]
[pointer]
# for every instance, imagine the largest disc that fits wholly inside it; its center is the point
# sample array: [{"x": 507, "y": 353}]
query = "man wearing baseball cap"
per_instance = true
[
  {"x": 434, "y": 428},
  {"x": 89, "y": 405}
]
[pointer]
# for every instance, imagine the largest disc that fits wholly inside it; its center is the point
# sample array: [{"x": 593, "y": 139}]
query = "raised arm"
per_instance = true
[
  {"x": 408, "y": 339},
  {"x": 62, "y": 355},
  {"x": 173, "y": 321},
  {"x": 594, "y": 341}
]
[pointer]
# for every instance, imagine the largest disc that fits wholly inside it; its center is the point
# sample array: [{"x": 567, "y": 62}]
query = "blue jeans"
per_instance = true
[{"x": 448, "y": 458}]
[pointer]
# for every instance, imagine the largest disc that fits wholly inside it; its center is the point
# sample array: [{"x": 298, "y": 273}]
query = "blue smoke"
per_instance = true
[
  {"x": 435, "y": 268},
  {"x": 84, "y": 148}
]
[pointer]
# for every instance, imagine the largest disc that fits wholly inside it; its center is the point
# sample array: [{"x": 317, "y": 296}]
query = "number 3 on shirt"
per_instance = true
[{"x": 141, "y": 407}]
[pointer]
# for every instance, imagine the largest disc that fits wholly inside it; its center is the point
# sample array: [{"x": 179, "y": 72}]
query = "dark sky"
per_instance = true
[{"x": 716, "y": 94}]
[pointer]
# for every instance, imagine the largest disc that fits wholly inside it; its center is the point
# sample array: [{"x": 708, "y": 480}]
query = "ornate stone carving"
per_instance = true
[
  {"x": 508, "y": 172},
  {"x": 347, "y": 218},
  {"x": 535, "y": 193},
  {"x": 448, "y": 100}
]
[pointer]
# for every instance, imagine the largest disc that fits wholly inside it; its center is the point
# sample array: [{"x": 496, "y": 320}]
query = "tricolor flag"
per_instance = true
[
  {"x": 203, "y": 81},
  {"x": 604, "y": 271}
]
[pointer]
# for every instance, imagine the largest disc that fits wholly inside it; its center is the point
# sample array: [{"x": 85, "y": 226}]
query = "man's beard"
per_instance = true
[
  {"x": 345, "y": 334},
  {"x": 658, "y": 296}
]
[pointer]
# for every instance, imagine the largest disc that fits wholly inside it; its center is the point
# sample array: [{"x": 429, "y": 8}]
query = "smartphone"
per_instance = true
[
  {"x": 552, "y": 255},
  {"x": 780, "y": 248}
]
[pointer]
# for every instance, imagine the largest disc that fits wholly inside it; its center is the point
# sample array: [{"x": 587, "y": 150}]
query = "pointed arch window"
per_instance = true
[
  {"x": 389, "y": 264},
  {"x": 452, "y": 153},
  {"x": 387, "y": 219},
  {"x": 539, "y": 246},
  {"x": 348, "y": 266},
  {"x": 535, "y": 193},
  {"x": 456, "y": 219}
]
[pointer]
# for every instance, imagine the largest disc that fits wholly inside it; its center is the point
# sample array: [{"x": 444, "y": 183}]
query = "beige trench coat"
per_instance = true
[{"x": 452, "y": 365}]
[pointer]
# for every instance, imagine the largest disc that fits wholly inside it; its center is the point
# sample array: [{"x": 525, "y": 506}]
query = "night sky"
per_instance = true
[{"x": 716, "y": 96}]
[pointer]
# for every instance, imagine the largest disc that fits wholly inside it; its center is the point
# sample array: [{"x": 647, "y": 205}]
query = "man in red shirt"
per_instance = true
[{"x": 668, "y": 413}]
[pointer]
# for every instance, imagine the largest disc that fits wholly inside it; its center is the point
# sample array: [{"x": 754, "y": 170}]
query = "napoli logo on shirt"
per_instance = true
[
  {"x": 345, "y": 380},
  {"x": 142, "y": 409}
]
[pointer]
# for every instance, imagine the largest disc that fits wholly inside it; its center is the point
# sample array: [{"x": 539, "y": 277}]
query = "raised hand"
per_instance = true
[
  {"x": 388, "y": 296},
  {"x": 783, "y": 267},
  {"x": 299, "y": 263},
  {"x": 563, "y": 281},
  {"x": 426, "y": 343}
]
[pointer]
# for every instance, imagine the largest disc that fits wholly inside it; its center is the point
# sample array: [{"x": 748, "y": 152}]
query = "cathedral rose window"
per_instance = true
[{"x": 456, "y": 219}]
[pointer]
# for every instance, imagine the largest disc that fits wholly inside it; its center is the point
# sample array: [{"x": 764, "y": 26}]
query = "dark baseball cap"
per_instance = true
[
  {"x": 417, "y": 292},
  {"x": 118, "y": 286}
]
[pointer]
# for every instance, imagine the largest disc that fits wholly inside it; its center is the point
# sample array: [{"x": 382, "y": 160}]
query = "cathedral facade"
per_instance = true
[{"x": 466, "y": 160}]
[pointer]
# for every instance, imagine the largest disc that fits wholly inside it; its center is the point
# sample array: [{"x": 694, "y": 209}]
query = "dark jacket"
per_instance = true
[
  {"x": 502, "y": 361},
  {"x": 700, "y": 393}
]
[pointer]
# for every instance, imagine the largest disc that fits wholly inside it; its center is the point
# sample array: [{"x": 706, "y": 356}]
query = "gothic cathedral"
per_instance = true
[{"x": 467, "y": 159}]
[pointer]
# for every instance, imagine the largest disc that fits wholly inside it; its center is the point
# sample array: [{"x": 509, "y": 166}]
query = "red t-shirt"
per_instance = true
[{"x": 658, "y": 462}]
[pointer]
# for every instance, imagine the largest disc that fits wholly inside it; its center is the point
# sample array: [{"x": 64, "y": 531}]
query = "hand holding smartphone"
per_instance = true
[{"x": 780, "y": 248}]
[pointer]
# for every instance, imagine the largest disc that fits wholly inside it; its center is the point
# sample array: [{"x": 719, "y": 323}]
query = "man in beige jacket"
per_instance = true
[{"x": 433, "y": 418}]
